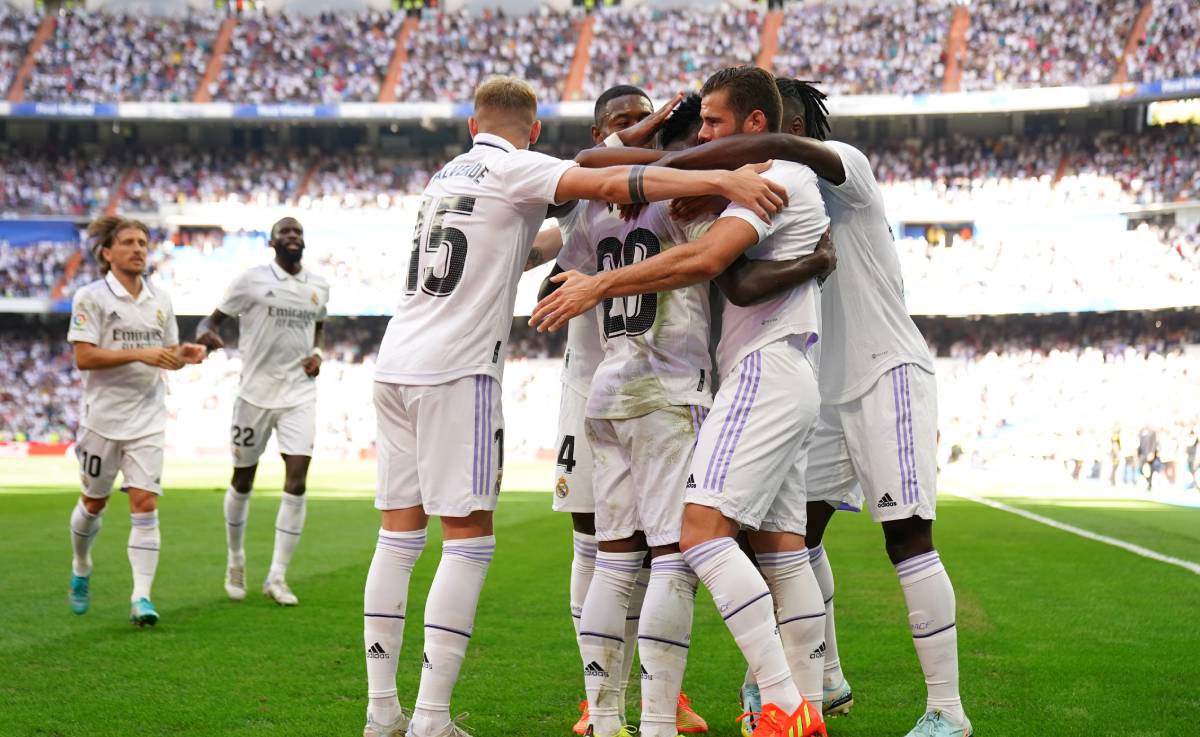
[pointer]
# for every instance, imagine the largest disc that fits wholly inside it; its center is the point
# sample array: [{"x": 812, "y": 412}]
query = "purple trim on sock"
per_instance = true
[
  {"x": 787, "y": 558},
  {"x": 905, "y": 565},
  {"x": 679, "y": 567},
  {"x": 816, "y": 554},
  {"x": 665, "y": 641},
  {"x": 619, "y": 566},
  {"x": 935, "y": 632},
  {"x": 799, "y": 617},
  {"x": 910, "y": 572},
  {"x": 150, "y": 522},
  {"x": 700, "y": 554},
  {"x": 448, "y": 629},
  {"x": 143, "y": 547},
  {"x": 749, "y": 404},
  {"x": 383, "y": 616},
  {"x": 901, "y": 456},
  {"x": 914, "y": 489},
  {"x": 289, "y": 532},
  {"x": 234, "y": 524},
  {"x": 829, "y": 599},
  {"x": 404, "y": 546},
  {"x": 748, "y": 603},
  {"x": 726, "y": 426},
  {"x": 634, "y": 618},
  {"x": 602, "y": 636},
  {"x": 469, "y": 555},
  {"x": 81, "y": 534}
]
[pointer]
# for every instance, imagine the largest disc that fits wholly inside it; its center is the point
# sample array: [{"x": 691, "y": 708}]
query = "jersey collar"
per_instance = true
[
  {"x": 300, "y": 276},
  {"x": 122, "y": 293},
  {"x": 487, "y": 139}
]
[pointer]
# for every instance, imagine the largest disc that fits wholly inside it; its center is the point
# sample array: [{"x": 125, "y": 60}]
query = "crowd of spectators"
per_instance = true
[
  {"x": 665, "y": 51},
  {"x": 98, "y": 57},
  {"x": 450, "y": 53},
  {"x": 76, "y": 181},
  {"x": 40, "y": 389},
  {"x": 1044, "y": 43},
  {"x": 34, "y": 270},
  {"x": 892, "y": 47},
  {"x": 1171, "y": 48},
  {"x": 16, "y": 31},
  {"x": 365, "y": 180},
  {"x": 327, "y": 58},
  {"x": 249, "y": 177}
]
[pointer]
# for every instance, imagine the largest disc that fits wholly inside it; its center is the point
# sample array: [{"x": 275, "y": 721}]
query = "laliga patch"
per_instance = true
[
  {"x": 561, "y": 489},
  {"x": 79, "y": 320}
]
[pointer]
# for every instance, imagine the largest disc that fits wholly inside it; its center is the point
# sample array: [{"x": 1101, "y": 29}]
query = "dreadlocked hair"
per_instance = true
[
  {"x": 103, "y": 230},
  {"x": 812, "y": 102},
  {"x": 684, "y": 118}
]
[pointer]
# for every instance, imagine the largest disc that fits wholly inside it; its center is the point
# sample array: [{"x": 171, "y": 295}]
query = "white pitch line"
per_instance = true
[{"x": 1187, "y": 565}]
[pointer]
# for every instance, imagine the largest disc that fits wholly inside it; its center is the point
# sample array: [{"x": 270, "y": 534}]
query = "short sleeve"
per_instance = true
[
  {"x": 858, "y": 189},
  {"x": 171, "y": 328},
  {"x": 804, "y": 216},
  {"x": 323, "y": 312},
  {"x": 237, "y": 296},
  {"x": 577, "y": 252},
  {"x": 531, "y": 178},
  {"x": 85, "y": 319}
]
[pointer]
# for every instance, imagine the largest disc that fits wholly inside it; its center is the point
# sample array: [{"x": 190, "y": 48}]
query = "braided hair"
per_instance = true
[{"x": 811, "y": 102}]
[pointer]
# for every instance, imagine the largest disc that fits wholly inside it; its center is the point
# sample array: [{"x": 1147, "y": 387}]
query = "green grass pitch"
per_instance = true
[{"x": 1058, "y": 635}]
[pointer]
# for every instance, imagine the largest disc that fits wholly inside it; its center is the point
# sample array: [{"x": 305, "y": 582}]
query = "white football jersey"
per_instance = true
[
  {"x": 123, "y": 402},
  {"x": 866, "y": 327},
  {"x": 790, "y": 234},
  {"x": 478, "y": 219},
  {"x": 584, "y": 349},
  {"x": 277, "y": 316},
  {"x": 656, "y": 349}
]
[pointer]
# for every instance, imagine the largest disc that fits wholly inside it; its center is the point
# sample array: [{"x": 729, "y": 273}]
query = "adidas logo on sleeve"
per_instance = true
[{"x": 885, "y": 502}]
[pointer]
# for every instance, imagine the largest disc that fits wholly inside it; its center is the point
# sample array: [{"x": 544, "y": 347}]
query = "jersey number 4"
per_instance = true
[
  {"x": 447, "y": 247},
  {"x": 638, "y": 312}
]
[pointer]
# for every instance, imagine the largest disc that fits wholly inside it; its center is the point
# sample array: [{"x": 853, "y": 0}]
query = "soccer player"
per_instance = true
[
  {"x": 280, "y": 308},
  {"x": 441, "y": 361},
  {"x": 745, "y": 468},
  {"x": 124, "y": 335},
  {"x": 877, "y": 432}
]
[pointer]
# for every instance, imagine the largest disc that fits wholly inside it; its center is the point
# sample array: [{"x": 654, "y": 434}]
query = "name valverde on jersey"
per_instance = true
[
  {"x": 477, "y": 221},
  {"x": 123, "y": 402},
  {"x": 866, "y": 324},
  {"x": 277, "y": 316},
  {"x": 790, "y": 234},
  {"x": 655, "y": 345}
]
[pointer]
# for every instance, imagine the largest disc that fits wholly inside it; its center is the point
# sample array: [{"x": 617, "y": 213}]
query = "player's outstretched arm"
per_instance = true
[
  {"x": 748, "y": 282},
  {"x": 627, "y": 184},
  {"x": 602, "y": 156},
  {"x": 91, "y": 357},
  {"x": 734, "y": 151},
  {"x": 691, "y": 263},
  {"x": 208, "y": 332}
]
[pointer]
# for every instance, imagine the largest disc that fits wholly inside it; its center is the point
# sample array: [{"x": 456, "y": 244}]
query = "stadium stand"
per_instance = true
[
  {"x": 98, "y": 57},
  {"x": 16, "y": 31},
  {"x": 74, "y": 182},
  {"x": 1171, "y": 48},
  {"x": 258, "y": 178}
]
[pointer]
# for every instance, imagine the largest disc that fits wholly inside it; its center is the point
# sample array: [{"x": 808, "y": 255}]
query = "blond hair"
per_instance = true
[
  {"x": 505, "y": 102},
  {"x": 103, "y": 231}
]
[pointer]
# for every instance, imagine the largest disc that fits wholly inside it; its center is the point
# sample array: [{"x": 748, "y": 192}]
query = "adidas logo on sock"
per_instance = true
[
  {"x": 691, "y": 482},
  {"x": 886, "y": 501},
  {"x": 593, "y": 669},
  {"x": 376, "y": 651},
  {"x": 646, "y": 676},
  {"x": 818, "y": 653},
  {"x": 425, "y": 661}
]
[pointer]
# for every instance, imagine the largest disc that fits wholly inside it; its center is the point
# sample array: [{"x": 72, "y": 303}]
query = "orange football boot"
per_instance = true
[
  {"x": 775, "y": 722},
  {"x": 582, "y": 725},
  {"x": 687, "y": 721}
]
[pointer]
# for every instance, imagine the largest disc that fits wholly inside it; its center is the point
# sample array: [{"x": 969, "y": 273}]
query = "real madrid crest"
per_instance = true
[{"x": 561, "y": 489}]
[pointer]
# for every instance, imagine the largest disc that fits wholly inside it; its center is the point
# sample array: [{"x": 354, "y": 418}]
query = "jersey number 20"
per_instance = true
[
  {"x": 431, "y": 242},
  {"x": 640, "y": 311}
]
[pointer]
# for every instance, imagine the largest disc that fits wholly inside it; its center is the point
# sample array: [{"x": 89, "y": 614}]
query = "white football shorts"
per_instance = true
[
  {"x": 295, "y": 431},
  {"x": 573, "y": 467},
  {"x": 749, "y": 454},
  {"x": 879, "y": 452},
  {"x": 641, "y": 468},
  {"x": 440, "y": 447},
  {"x": 139, "y": 460}
]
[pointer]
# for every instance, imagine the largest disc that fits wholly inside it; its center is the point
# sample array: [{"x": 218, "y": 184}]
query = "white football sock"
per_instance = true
[
  {"x": 237, "y": 508},
  {"x": 663, "y": 638},
  {"x": 85, "y": 526},
  {"x": 931, "y": 611},
  {"x": 819, "y": 560},
  {"x": 289, "y": 523},
  {"x": 800, "y": 615},
  {"x": 632, "y": 618},
  {"x": 583, "y": 565},
  {"x": 449, "y": 620},
  {"x": 144, "y": 541},
  {"x": 601, "y": 636},
  {"x": 744, "y": 601},
  {"x": 385, "y": 601}
]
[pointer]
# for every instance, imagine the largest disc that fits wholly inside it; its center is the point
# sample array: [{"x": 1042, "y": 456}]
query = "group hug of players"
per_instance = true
[{"x": 678, "y": 466}]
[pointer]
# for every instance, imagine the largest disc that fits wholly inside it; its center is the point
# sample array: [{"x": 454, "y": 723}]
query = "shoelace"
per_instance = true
[
  {"x": 759, "y": 718},
  {"x": 237, "y": 577}
]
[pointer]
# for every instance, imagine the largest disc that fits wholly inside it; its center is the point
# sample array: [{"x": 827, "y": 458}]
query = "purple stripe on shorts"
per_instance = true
[
  {"x": 916, "y": 560},
  {"x": 726, "y": 426},
  {"x": 901, "y": 456},
  {"x": 912, "y": 453},
  {"x": 488, "y": 476},
  {"x": 475, "y": 462},
  {"x": 698, "y": 555},
  {"x": 749, "y": 403}
]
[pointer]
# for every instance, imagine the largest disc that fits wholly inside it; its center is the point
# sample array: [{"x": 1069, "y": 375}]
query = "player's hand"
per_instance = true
[
  {"x": 312, "y": 365},
  {"x": 577, "y": 293},
  {"x": 826, "y": 251},
  {"x": 691, "y": 208},
  {"x": 631, "y": 211},
  {"x": 210, "y": 340},
  {"x": 642, "y": 133},
  {"x": 192, "y": 352},
  {"x": 163, "y": 358},
  {"x": 746, "y": 188}
]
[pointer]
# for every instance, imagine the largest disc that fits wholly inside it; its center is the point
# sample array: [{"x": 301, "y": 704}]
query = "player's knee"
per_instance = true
[
  {"x": 94, "y": 506},
  {"x": 143, "y": 502},
  {"x": 295, "y": 487},
  {"x": 908, "y": 538}
]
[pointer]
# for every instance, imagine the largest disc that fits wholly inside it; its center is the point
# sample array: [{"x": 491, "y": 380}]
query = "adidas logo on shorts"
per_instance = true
[
  {"x": 691, "y": 482},
  {"x": 819, "y": 652},
  {"x": 593, "y": 669},
  {"x": 376, "y": 651},
  {"x": 886, "y": 501}
]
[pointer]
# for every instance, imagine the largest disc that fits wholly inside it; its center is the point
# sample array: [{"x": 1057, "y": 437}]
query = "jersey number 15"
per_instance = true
[{"x": 435, "y": 241}]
